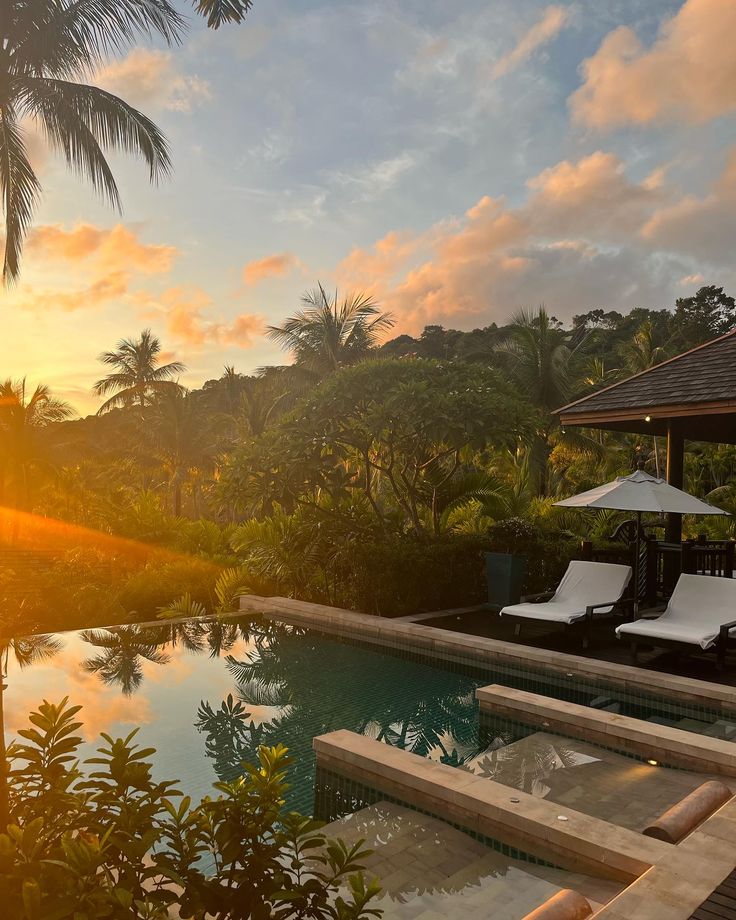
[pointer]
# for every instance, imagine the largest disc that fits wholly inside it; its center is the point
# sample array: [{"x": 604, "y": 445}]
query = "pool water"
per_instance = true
[{"x": 207, "y": 694}]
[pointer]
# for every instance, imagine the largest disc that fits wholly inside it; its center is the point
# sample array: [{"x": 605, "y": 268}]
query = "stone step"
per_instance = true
[
  {"x": 430, "y": 870},
  {"x": 588, "y": 778},
  {"x": 412, "y": 852}
]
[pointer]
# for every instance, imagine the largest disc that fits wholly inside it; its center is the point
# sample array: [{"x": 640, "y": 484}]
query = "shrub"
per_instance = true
[
  {"x": 111, "y": 842},
  {"x": 403, "y": 575},
  {"x": 159, "y": 581}
]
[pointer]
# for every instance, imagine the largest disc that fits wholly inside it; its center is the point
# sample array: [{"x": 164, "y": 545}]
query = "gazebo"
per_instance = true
[{"x": 689, "y": 397}]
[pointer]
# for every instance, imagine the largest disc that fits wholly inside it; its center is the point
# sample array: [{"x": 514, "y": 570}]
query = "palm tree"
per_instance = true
[
  {"x": 22, "y": 418},
  {"x": 329, "y": 333},
  {"x": 642, "y": 352},
  {"x": 47, "y": 48},
  {"x": 181, "y": 436},
  {"x": 539, "y": 357},
  {"x": 138, "y": 374}
]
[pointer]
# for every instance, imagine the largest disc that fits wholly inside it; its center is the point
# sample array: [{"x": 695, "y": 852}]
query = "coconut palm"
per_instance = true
[
  {"x": 22, "y": 418},
  {"x": 329, "y": 333},
  {"x": 643, "y": 352},
  {"x": 138, "y": 375},
  {"x": 49, "y": 48},
  {"x": 538, "y": 352},
  {"x": 182, "y": 438},
  {"x": 125, "y": 648}
]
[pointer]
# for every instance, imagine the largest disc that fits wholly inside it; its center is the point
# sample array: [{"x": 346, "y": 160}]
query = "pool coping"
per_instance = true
[
  {"x": 669, "y": 746},
  {"x": 452, "y": 645}
]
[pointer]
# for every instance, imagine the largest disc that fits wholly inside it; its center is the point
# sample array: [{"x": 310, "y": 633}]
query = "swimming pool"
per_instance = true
[{"x": 206, "y": 694}]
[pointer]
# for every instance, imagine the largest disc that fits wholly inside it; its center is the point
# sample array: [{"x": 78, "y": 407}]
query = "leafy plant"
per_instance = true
[{"x": 103, "y": 839}]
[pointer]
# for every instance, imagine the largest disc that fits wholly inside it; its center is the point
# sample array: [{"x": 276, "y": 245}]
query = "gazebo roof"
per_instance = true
[{"x": 697, "y": 387}]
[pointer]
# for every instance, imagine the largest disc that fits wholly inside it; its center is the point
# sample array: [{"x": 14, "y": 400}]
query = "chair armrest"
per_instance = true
[
  {"x": 538, "y": 598},
  {"x": 724, "y": 631},
  {"x": 619, "y": 603}
]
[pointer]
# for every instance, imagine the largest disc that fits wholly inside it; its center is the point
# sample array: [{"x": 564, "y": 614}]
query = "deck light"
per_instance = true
[
  {"x": 647, "y": 418},
  {"x": 653, "y": 763}
]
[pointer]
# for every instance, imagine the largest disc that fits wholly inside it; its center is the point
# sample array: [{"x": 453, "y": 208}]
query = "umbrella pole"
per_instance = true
[{"x": 636, "y": 565}]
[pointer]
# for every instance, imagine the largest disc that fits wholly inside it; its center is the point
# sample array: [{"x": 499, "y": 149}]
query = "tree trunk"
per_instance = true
[{"x": 4, "y": 797}]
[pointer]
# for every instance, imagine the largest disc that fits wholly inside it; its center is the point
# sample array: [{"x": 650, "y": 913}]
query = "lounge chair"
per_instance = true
[
  {"x": 700, "y": 615},
  {"x": 587, "y": 589}
]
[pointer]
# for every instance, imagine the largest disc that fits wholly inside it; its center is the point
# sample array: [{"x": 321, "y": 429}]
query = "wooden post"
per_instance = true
[{"x": 675, "y": 475}]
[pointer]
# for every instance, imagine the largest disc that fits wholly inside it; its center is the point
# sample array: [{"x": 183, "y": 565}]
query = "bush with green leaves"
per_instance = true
[{"x": 103, "y": 839}]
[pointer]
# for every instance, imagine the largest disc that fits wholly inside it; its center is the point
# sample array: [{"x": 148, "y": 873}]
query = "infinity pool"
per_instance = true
[{"x": 206, "y": 694}]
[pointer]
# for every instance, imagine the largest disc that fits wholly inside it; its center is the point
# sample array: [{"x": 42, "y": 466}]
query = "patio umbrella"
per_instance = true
[{"x": 639, "y": 492}]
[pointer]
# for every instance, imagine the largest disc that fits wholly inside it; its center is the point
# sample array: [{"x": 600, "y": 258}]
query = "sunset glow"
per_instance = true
[{"x": 497, "y": 156}]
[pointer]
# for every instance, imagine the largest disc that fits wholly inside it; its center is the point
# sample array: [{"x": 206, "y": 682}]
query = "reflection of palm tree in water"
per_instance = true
[
  {"x": 525, "y": 763},
  {"x": 319, "y": 686},
  {"x": 25, "y": 651},
  {"x": 126, "y": 648}
]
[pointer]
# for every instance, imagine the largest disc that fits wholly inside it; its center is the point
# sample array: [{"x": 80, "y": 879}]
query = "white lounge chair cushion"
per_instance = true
[
  {"x": 699, "y": 605},
  {"x": 582, "y": 585}
]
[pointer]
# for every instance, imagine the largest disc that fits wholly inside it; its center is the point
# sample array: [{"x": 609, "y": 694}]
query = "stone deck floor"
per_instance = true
[
  {"x": 430, "y": 870},
  {"x": 587, "y": 778}
]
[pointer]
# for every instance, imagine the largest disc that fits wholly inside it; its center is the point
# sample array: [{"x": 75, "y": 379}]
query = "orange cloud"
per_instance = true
[
  {"x": 102, "y": 261},
  {"x": 151, "y": 77},
  {"x": 117, "y": 248},
  {"x": 688, "y": 74},
  {"x": 574, "y": 242},
  {"x": 554, "y": 19},
  {"x": 592, "y": 197},
  {"x": 183, "y": 309},
  {"x": 274, "y": 266}
]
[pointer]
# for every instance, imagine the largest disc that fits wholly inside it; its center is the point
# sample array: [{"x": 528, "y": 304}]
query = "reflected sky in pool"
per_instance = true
[{"x": 205, "y": 695}]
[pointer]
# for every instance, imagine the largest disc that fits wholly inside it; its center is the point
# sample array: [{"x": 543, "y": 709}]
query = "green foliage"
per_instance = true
[
  {"x": 154, "y": 585},
  {"x": 103, "y": 839}
]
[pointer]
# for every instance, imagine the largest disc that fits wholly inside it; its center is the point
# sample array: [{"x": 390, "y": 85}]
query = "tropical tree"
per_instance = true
[
  {"x": 22, "y": 418},
  {"x": 138, "y": 375},
  {"x": 49, "y": 48},
  {"x": 329, "y": 333},
  {"x": 642, "y": 351},
  {"x": 539, "y": 356},
  {"x": 182, "y": 438}
]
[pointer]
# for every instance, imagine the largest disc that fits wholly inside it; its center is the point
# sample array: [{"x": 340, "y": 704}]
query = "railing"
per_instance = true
[{"x": 661, "y": 564}]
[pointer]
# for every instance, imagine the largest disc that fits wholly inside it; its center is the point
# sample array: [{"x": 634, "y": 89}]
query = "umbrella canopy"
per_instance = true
[{"x": 640, "y": 492}]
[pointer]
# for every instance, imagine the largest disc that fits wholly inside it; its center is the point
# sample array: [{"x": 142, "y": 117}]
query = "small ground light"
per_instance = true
[{"x": 653, "y": 763}]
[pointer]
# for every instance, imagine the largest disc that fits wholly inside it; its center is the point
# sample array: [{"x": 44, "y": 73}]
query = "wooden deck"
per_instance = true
[
  {"x": 721, "y": 904},
  {"x": 603, "y": 646}
]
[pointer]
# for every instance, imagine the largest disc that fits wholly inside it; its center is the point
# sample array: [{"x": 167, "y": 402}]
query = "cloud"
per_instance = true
[
  {"x": 85, "y": 267},
  {"x": 376, "y": 178},
  {"x": 688, "y": 74},
  {"x": 704, "y": 227},
  {"x": 576, "y": 242},
  {"x": 554, "y": 19},
  {"x": 151, "y": 77},
  {"x": 275, "y": 266},
  {"x": 183, "y": 309},
  {"x": 114, "y": 249}
]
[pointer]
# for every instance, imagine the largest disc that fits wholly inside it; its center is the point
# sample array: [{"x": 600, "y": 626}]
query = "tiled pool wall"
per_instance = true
[{"x": 573, "y": 688}]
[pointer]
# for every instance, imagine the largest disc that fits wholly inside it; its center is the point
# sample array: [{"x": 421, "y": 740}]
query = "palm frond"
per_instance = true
[
  {"x": 219, "y": 12},
  {"x": 19, "y": 190}
]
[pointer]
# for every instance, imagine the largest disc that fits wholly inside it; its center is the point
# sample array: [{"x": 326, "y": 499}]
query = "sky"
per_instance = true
[{"x": 459, "y": 161}]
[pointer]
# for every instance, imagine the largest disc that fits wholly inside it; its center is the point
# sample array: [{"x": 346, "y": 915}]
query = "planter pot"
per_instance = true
[{"x": 505, "y": 575}]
